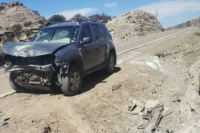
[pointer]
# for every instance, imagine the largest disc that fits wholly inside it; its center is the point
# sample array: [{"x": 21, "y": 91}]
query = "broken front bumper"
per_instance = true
[
  {"x": 42, "y": 68},
  {"x": 32, "y": 74}
]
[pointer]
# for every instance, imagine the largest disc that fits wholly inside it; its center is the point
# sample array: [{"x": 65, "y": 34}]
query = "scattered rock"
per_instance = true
[
  {"x": 47, "y": 129},
  {"x": 116, "y": 87}
]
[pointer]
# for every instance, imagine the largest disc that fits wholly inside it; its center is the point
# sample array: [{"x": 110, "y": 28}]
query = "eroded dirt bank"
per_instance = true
[{"x": 167, "y": 71}]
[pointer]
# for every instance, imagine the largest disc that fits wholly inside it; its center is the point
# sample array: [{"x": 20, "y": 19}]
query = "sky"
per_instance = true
[{"x": 170, "y": 12}]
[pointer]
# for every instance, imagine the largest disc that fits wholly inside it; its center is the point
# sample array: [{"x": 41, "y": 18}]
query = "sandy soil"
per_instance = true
[{"x": 167, "y": 71}]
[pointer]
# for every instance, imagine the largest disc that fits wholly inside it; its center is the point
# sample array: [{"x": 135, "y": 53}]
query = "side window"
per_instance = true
[
  {"x": 97, "y": 31},
  {"x": 86, "y": 32},
  {"x": 104, "y": 30}
]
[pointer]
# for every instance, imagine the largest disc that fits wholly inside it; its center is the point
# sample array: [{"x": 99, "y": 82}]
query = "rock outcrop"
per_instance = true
[
  {"x": 16, "y": 13},
  {"x": 133, "y": 24}
]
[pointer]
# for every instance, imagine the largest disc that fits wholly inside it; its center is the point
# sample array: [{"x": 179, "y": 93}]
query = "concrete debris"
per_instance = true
[
  {"x": 135, "y": 107},
  {"x": 154, "y": 119},
  {"x": 151, "y": 104},
  {"x": 154, "y": 114},
  {"x": 4, "y": 122}
]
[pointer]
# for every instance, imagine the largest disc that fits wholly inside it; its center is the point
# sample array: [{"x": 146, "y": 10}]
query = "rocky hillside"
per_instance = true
[
  {"x": 16, "y": 13},
  {"x": 193, "y": 22},
  {"x": 133, "y": 24}
]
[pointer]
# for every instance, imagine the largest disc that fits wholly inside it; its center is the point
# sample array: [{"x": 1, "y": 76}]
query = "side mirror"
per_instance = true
[{"x": 86, "y": 40}]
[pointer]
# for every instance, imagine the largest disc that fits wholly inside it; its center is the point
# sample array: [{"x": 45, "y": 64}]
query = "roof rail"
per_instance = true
[
  {"x": 86, "y": 20},
  {"x": 51, "y": 23}
]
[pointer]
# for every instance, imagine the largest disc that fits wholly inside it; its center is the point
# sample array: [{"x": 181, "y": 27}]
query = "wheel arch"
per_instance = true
[
  {"x": 78, "y": 63},
  {"x": 113, "y": 51}
]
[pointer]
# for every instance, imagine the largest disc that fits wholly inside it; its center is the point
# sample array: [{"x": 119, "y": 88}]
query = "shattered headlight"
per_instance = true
[{"x": 65, "y": 64}]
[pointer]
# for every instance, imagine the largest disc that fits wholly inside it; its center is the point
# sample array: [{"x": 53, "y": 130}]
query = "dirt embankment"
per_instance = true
[
  {"x": 190, "y": 23},
  {"x": 166, "y": 72}
]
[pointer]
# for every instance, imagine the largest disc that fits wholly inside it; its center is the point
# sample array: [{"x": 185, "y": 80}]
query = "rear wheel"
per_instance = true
[
  {"x": 14, "y": 85},
  {"x": 72, "y": 82},
  {"x": 111, "y": 64}
]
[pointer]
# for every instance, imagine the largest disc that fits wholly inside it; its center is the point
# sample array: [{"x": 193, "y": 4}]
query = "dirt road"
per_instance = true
[{"x": 120, "y": 48}]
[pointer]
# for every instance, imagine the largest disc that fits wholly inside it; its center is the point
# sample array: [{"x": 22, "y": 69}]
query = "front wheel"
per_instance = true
[
  {"x": 14, "y": 85},
  {"x": 111, "y": 64},
  {"x": 72, "y": 82}
]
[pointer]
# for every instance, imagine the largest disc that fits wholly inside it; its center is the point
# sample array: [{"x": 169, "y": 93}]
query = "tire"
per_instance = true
[
  {"x": 14, "y": 85},
  {"x": 111, "y": 64},
  {"x": 72, "y": 82}
]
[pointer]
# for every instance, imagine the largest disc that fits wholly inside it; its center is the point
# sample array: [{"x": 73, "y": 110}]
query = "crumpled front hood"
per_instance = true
[{"x": 30, "y": 49}]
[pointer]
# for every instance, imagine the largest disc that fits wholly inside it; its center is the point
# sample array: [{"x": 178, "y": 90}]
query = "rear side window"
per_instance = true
[
  {"x": 104, "y": 30},
  {"x": 86, "y": 32},
  {"x": 97, "y": 31}
]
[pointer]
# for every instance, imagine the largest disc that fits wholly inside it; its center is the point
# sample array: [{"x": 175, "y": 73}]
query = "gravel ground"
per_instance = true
[{"x": 166, "y": 71}]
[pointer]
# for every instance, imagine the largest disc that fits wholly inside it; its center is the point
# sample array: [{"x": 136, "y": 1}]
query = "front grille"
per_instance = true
[{"x": 40, "y": 60}]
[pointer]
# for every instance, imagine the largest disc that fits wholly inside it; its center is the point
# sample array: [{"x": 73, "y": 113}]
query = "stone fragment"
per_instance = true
[
  {"x": 151, "y": 104},
  {"x": 135, "y": 107},
  {"x": 167, "y": 111}
]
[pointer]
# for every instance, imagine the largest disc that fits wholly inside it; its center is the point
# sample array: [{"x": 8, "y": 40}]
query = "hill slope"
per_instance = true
[
  {"x": 193, "y": 22},
  {"x": 15, "y": 13},
  {"x": 133, "y": 24}
]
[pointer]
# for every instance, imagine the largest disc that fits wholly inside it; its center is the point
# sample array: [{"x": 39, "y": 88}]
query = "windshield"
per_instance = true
[{"x": 57, "y": 35}]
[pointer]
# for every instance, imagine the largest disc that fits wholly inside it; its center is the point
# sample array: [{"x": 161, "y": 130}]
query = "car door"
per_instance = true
[
  {"x": 88, "y": 50},
  {"x": 101, "y": 43}
]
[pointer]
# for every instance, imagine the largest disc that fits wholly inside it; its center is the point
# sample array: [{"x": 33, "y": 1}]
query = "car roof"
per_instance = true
[
  {"x": 58, "y": 24},
  {"x": 63, "y": 24}
]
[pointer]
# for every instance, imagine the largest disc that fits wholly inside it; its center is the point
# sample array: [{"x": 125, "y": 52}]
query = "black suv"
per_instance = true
[{"x": 60, "y": 55}]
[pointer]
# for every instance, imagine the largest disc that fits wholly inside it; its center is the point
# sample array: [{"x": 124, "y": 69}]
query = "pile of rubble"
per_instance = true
[{"x": 153, "y": 112}]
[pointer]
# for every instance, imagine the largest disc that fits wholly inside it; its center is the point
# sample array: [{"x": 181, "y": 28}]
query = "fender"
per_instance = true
[{"x": 70, "y": 54}]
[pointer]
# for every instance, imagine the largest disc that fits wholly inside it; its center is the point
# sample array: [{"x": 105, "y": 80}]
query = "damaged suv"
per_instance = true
[{"x": 59, "y": 55}]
